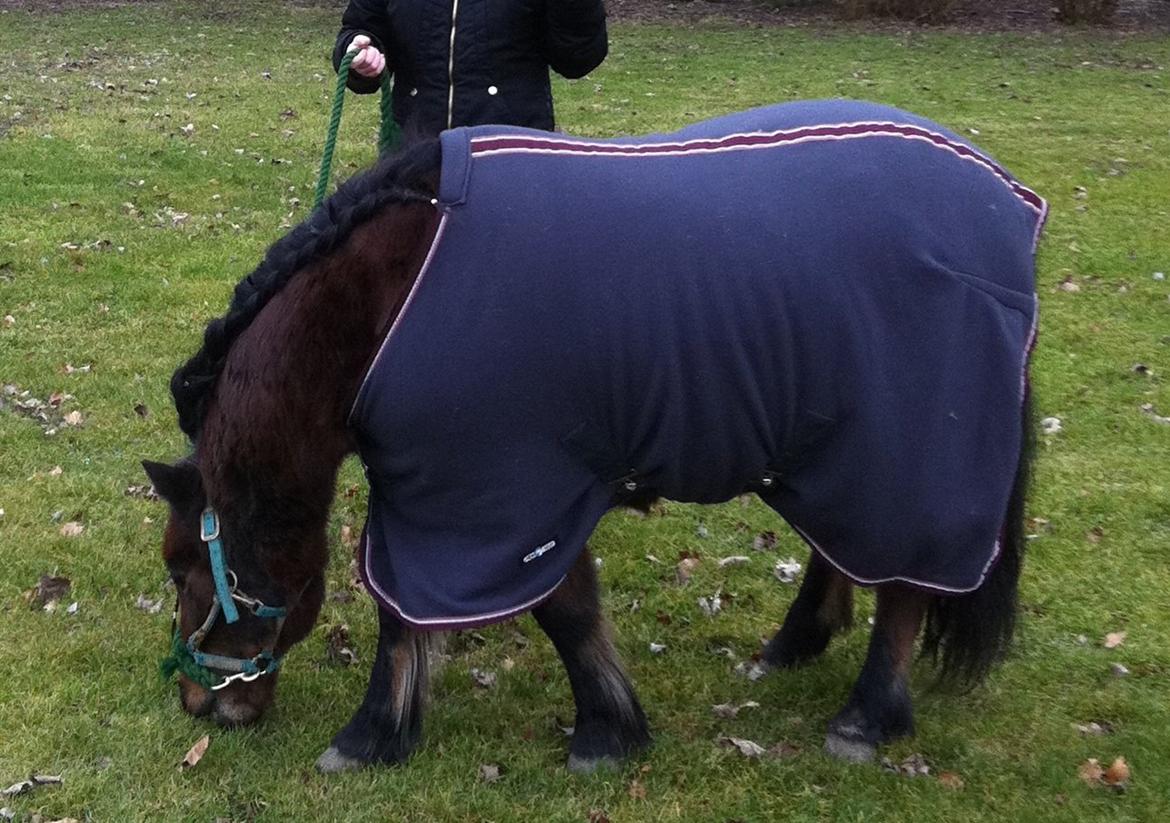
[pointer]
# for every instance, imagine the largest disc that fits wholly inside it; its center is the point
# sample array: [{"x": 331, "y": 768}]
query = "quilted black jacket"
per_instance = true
[{"x": 469, "y": 62}]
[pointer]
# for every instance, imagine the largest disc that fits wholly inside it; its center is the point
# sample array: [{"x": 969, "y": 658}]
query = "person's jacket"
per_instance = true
[{"x": 470, "y": 62}]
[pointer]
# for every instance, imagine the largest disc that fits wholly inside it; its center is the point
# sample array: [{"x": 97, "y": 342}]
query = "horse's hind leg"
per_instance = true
[
  {"x": 388, "y": 724},
  {"x": 879, "y": 708},
  {"x": 610, "y": 724},
  {"x": 823, "y": 607}
]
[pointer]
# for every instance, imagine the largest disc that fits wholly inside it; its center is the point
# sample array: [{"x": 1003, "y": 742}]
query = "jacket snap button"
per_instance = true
[{"x": 493, "y": 90}]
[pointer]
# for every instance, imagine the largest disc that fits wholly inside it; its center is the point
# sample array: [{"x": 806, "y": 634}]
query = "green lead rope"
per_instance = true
[
  {"x": 388, "y": 136},
  {"x": 180, "y": 661}
]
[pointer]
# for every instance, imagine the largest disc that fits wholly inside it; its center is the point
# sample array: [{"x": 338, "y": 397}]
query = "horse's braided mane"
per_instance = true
[{"x": 400, "y": 178}]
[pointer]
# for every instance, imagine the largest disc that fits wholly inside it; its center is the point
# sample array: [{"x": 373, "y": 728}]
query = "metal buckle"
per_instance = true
[{"x": 208, "y": 525}]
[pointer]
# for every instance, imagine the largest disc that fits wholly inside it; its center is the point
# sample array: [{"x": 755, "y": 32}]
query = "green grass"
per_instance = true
[{"x": 97, "y": 155}]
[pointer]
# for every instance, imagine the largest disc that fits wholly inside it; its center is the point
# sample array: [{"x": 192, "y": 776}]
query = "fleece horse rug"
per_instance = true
[{"x": 830, "y": 304}]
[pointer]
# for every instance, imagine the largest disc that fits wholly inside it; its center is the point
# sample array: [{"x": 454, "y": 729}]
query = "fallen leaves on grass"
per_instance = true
[
  {"x": 46, "y": 413},
  {"x": 636, "y": 790},
  {"x": 195, "y": 753},
  {"x": 1051, "y": 425},
  {"x": 338, "y": 647},
  {"x": 1091, "y": 772},
  {"x": 730, "y": 710},
  {"x": 787, "y": 569},
  {"x": 753, "y": 750},
  {"x": 685, "y": 568},
  {"x": 1148, "y": 410},
  {"x": 712, "y": 605},
  {"x": 145, "y": 604},
  {"x": 657, "y": 648},
  {"x": 1114, "y": 639},
  {"x": 484, "y": 679},
  {"x": 913, "y": 766},
  {"x": 1093, "y": 728},
  {"x": 144, "y": 491},
  {"x": 48, "y": 591},
  {"x": 764, "y": 541},
  {"x": 489, "y": 772},
  {"x": 951, "y": 780},
  {"x": 734, "y": 560},
  {"x": 34, "y": 781},
  {"x": 72, "y": 529}
]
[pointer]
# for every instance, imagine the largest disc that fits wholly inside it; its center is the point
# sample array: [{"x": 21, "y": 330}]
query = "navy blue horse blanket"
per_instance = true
[{"x": 828, "y": 303}]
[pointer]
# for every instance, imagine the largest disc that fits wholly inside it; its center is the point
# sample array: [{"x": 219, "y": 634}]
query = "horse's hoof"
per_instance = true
[
  {"x": 588, "y": 765},
  {"x": 333, "y": 761},
  {"x": 849, "y": 750}
]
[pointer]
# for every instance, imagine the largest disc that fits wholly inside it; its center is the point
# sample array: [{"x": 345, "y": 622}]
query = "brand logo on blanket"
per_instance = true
[{"x": 540, "y": 550}]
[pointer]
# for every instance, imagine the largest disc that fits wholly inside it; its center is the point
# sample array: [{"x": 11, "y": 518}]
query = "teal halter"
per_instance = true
[{"x": 227, "y": 594}]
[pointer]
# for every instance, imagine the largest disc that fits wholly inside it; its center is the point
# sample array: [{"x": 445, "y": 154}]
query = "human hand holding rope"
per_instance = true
[{"x": 369, "y": 60}]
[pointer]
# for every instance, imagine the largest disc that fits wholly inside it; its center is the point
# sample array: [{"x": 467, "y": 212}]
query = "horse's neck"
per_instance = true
[{"x": 279, "y": 416}]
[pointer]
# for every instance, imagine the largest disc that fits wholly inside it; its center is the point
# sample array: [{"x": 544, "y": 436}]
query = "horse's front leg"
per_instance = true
[
  {"x": 879, "y": 708},
  {"x": 610, "y": 723},
  {"x": 387, "y": 726}
]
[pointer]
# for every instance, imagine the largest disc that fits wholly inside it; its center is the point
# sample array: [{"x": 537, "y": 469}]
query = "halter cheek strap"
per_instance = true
[{"x": 209, "y": 534}]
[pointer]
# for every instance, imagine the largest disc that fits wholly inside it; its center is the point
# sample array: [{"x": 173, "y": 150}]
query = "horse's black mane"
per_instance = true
[{"x": 399, "y": 178}]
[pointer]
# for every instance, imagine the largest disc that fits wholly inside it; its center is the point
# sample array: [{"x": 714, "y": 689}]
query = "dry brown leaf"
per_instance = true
[
  {"x": 637, "y": 790},
  {"x": 764, "y": 541},
  {"x": 48, "y": 591},
  {"x": 195, "y": 753},
  {"x": 348, "y": 538},
  {"x": 489, "y": 772},
  {"x": 1117, "y": 774},
  {"x": 748, "y": 748},
  {"x": 72, "y": 529},
  {"x": 1091, "y": 771},
  {"x": 598, "y": 816},
  {"x": 951, "y": 780},
  {"x": 783, "y": 749},
  {"x": 685, "y": 569},
  {"x": 338, "y": 647},
  {"x": 1114, "y": 639},
  {"x": 730, "y": 710},
  {"x": 73, "y": 418}
]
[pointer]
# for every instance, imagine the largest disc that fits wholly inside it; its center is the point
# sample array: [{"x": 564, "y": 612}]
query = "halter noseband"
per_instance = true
[{"x": 227, "y": 594}]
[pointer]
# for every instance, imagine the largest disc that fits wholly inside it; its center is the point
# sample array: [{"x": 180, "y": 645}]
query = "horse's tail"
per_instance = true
[{"x": 966, "y": 635}]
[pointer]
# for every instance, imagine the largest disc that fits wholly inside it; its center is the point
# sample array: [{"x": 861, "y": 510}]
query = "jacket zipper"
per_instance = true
[{"x": 451, "y": 67}]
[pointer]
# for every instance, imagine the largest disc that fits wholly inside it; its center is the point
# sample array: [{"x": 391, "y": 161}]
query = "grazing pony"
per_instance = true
[{"x": 829, "y": 304}]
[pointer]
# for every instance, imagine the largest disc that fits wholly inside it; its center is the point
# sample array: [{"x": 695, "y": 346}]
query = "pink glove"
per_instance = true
[{"x": 369, "y": 62}]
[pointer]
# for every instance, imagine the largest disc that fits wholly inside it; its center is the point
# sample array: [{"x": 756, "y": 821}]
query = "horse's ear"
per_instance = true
[{"x": 180, "y": 484}]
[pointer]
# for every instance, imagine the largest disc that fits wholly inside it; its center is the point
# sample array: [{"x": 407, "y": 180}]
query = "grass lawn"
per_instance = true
[{"x": 148, "y": 155}]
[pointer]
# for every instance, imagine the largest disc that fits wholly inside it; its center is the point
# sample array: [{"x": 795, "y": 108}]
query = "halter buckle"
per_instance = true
[{"x": 208, "y": 525}]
